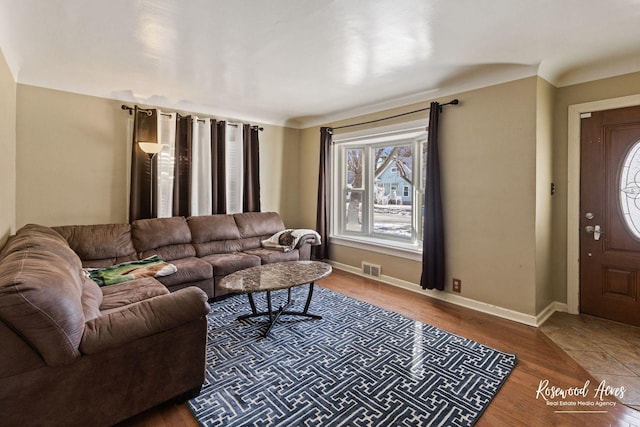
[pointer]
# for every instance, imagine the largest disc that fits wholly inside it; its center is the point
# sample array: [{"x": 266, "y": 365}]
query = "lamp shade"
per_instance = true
[{"x": 150, "y": 147}]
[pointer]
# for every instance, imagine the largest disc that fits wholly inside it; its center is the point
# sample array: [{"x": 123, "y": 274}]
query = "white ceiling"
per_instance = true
[{"x": 301, "y": 62}]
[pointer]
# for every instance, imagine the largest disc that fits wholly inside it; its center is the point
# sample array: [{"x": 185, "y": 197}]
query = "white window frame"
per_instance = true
[{"x": 371, "y": 138}]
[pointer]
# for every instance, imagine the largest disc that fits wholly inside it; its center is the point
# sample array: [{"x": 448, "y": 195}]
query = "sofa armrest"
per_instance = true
[
  {"x": 144, "y": 318},
  {"x": 304, "y": 246},
  {"x": 308, "y": 239}
]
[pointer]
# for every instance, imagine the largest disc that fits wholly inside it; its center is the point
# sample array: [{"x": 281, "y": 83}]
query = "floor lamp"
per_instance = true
[{"x": 151, "y": 148}]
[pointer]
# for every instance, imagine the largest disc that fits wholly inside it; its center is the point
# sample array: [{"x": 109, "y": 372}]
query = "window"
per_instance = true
[
  {"x": 234, "y": 169},
  {"x": 166, "y": 164},
  {"x": 630, "y": 189},
  {"x": 378, "y": 186}
]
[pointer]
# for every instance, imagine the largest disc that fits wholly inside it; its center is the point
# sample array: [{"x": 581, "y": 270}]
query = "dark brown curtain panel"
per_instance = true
[
  {"x": 218, "y": 170},
  {"x": 433, "y": 238},
  {"x": 144, "y": 167},
  {"x": 182, "y": 167},
  {"x": 145, "y": 128},
  {"x": 323, "y": 218},
  {"x": 251, "y": 190}
]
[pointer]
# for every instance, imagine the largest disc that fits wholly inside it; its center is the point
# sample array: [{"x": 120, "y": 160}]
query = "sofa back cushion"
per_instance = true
[
  {"x": 255, "y": 227},
  {"x": 41, "y": 294},
  {"x": 39, "y": 236},
  {"x": 34, "y": 236},
  {"x": 169, "y": 238},
  {"x": 258, "y": 224},
  {"x": 100, "y": 245},
  {"x": 214, "y": 234}
]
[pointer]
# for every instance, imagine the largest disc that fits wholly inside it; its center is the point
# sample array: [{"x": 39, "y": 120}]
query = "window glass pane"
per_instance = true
[
  {"x": 392, "y": 207},
  {"x": 630, "y": 190},
  {"x": 166, "y": 164},
  {"x": 353, "y": 218},
  {"x": 234, "y": 159},
  {"x": 423, "y": 175},
  {"x": 354, "y": 167}
]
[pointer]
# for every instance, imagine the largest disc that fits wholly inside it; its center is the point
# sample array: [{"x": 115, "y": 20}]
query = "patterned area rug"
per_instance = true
[{"x": 358, "y": 366}]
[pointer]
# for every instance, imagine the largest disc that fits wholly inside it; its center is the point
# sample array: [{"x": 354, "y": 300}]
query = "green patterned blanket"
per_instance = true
[{"x": 148, "y": 267}]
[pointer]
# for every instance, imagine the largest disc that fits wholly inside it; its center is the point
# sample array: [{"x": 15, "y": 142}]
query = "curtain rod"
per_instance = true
[
  {"x": 149, "y": 112},
  {"x": 452, "y": 102}
]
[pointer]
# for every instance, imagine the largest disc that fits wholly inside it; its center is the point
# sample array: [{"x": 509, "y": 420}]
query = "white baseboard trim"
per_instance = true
[
  {"x": 483, "y": 307},
  {"x": 549, "y": 310}
]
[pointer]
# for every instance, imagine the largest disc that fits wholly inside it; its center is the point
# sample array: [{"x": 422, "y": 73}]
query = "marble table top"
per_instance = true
[{"x": 271, "y": 277}]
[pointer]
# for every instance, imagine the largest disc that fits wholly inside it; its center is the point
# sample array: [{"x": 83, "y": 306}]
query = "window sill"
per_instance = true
[{"x": 387, "y": 247}]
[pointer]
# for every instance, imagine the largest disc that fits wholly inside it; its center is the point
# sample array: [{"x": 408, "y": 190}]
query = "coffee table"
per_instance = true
[{"x": 272, "y": 277}]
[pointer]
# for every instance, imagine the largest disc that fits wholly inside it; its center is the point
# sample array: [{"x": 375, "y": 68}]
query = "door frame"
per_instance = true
[{"x": 573, "y": 189}]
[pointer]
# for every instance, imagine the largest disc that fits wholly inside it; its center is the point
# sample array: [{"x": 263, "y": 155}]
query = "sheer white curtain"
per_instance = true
[
  {"x": 166, "y": 163},
  {"x": 234, "y": 171},
  {"x": 201, "y": 193}
]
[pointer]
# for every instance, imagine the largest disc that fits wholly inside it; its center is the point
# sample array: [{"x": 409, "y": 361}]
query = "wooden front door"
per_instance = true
[{"x": 610, "y": 215}]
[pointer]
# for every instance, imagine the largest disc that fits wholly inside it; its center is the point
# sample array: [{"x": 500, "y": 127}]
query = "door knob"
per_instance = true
[{"x": 596, "y": 230}]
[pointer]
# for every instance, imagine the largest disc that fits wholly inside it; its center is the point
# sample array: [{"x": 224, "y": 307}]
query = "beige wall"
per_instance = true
[
  {"x": 279, "y": 172},
  {"x": 7, "y": 151},
  {"x": 544, "y": 200},
  {"x": 488, "y": 153},
  {"x": 72, "y": 160},
  {"x": 614, "y": 87}
]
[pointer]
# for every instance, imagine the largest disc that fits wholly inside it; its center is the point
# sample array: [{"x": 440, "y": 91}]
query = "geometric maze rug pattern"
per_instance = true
[{"x": 360, "y": 365}]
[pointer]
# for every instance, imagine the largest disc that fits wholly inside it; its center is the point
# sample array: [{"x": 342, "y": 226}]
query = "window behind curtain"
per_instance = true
[
  {"x": 234, "y": 160},
  {"x": 201, "y": 169},
  {"x": 166, "y": 163}
]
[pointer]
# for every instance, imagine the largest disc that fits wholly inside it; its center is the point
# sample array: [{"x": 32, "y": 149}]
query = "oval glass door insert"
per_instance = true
[{"x": 630, "y": 190}]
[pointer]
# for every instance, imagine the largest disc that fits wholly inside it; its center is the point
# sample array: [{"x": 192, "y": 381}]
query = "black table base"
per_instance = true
[{"x": 275, "y": 315}]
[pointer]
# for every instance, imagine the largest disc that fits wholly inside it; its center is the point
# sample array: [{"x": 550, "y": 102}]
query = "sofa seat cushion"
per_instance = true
[
  {"x": 269, "y": 256},
  {"x": 146, "y": 318},
  {"x": 125, "y": 293},
  {"x": 190, "y": 269},
  {"x": 224, "y": 264}
]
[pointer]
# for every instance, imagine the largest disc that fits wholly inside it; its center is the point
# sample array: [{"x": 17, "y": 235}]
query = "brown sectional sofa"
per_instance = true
[
  {"x": 74, "y": 353},
  {"x": 203, "y": 248}
]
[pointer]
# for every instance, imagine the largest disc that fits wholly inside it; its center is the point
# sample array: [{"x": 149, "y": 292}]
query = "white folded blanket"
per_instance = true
[{"x": 287, "y": 240}]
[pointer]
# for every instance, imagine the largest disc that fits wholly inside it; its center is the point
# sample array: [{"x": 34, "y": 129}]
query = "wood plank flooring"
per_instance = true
[{"x": 515, "y": 405}]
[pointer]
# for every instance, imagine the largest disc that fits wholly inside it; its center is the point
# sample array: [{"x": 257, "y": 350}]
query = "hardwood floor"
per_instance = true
[{"x": 539, "y": 359}]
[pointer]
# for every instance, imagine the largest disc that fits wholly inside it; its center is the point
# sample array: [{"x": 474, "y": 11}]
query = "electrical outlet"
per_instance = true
[{"x": 457, "y": 285}]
